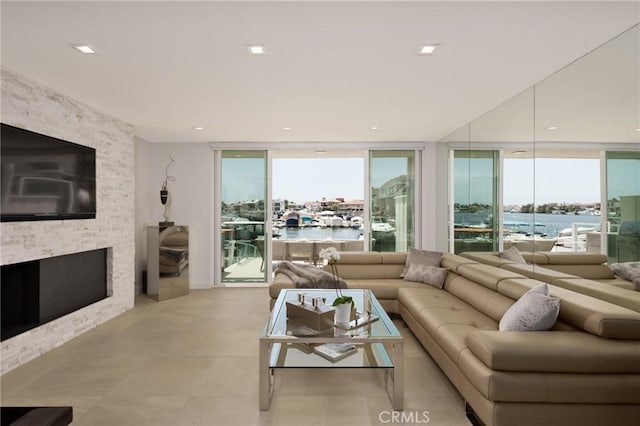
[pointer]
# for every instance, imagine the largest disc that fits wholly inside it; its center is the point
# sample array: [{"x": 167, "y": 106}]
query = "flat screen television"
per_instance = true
[{"x": 45, "y": 178}]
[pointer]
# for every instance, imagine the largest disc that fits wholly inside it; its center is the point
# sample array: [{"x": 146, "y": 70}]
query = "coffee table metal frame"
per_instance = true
[{"x": 380, "y": 345}]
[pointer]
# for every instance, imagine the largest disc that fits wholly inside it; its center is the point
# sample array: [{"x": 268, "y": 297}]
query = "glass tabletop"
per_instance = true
[
  {"x": 366, "y": 305},
  {"x": 362, "y": 344}
]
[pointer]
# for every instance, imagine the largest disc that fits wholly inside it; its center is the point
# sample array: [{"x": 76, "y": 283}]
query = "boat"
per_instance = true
[
  {"x": 357, "y": 222},
  {"x": 381, "y": 229},
  {"x": 292, "y": 219},
  {"x": 329, "y": 218},
  {"x": 306, "y": 219}
]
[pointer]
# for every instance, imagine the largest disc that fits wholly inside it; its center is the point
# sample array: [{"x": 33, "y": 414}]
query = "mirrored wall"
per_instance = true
[{"x": 566, "y": 162}]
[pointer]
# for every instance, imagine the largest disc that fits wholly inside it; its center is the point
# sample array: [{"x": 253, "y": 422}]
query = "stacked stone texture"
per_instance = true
[{"x": 29, "y": 105}]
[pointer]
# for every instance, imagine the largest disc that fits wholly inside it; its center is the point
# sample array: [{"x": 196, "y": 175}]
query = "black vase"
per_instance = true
[{"x": 164, "y": 194}]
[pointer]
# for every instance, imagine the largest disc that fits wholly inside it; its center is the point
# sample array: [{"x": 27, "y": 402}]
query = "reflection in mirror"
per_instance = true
[
  {"x": 552, "y": 138},
  {"x": 589, "y": 106},
  {"x": 459, "y": 136},
  {"x": 168, "y": 263},
  {"x": 594, "y": 99},
  {"x": 509, "y": 127},
  {"x": 475, "y": 200}
]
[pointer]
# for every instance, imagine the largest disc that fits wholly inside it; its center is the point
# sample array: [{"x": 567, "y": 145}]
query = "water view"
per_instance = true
[
  {"x": 550, "y": 224},
  {"x": 317, "y": 233}
]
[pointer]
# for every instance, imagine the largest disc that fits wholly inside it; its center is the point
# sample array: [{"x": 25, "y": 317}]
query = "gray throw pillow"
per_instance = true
[
  {"x": 513, "y": 254},
  {"x": 421, "y": 257},
  {"x": 534, "y": 311},
  {"x": 626, "y": 270},
  {"x": 426, "y": 274}
]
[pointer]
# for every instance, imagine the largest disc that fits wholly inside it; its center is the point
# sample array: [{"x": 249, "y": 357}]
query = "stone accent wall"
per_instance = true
[{"x": 29, "y": 105}]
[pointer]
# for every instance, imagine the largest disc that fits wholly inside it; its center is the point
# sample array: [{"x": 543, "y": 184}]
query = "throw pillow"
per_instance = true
[
  {"x": 626, "y": 270},
  {"x": 431, "y": 275},
  {"x": 421, "y": 257},
  {"x": 513, "y": 254},
  {"x": 534, "y": 311}
]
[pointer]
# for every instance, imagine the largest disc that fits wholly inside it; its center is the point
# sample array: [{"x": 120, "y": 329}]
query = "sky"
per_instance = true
[
  {"x": 557, "y": 180},
  {"x": 309, "y": 179}
]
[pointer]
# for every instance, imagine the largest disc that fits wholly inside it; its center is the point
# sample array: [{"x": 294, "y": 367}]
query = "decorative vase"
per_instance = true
[{"x": 343, "y": 313}]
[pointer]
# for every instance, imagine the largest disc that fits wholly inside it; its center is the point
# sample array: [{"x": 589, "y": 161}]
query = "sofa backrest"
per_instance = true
[
  {"x": 566, "y": 258},
  {"x": 578, "y": 310},
  {"x": 485, "y": 300},
  {"x": 562, "y": 270},
  {"x": 453, "y": 261},
  {"x": 370, "y": 265},
  {"x": 584, "y": 312}
]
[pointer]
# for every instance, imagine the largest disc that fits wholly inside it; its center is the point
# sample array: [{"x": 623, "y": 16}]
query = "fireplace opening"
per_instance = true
[{"x": 39, "y": 291}]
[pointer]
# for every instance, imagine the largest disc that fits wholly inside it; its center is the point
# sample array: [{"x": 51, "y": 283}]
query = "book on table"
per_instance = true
[{"x": 335, "y": 351}]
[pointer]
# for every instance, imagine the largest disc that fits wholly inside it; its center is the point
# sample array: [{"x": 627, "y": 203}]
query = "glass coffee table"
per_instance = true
[{"x": 290, "y": 343}]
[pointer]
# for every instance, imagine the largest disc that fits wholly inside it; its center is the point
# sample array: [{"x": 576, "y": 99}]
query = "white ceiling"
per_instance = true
[{"x": 333, "y": 69}]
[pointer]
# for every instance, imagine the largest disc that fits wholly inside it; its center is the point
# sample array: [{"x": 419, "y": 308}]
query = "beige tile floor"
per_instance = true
[{"x": 194, "y": 361}]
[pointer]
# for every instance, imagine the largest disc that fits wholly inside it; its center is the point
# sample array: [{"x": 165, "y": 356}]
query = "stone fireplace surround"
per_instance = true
[{"x": 33, "y": 106}]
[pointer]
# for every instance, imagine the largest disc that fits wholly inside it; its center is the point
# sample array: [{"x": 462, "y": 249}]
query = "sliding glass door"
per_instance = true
[
  {"x": 243, "y": 191},
  {"x": 392, "y": 183},
  {"x": 623, "y": 206}
]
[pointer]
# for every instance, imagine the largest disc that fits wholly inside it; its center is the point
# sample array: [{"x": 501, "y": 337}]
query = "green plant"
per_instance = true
[{"x": 343, "y": 299}]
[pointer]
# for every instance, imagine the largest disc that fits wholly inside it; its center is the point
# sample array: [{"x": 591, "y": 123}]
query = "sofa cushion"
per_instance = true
[
  {"x": 553, "y": 351},
  {"x": 416, "y": 299},
  {"x": 371, "y": 271},
  {"x": 513, "y": 254},
  {"x": 431, "y": 275},
  {"x": 393, "y": 257},
  {"x": 384, "y": 288},
  {"x": 280, "y": 282},
  {"x": 360, "y": 258},
  {"x": 534, "y": 311},
  {"x": 539, "y": 258},
  {"x": 421, "y": 257},
  {"x": 548, "y": 387},
  {"x": 618, "y": 282}
]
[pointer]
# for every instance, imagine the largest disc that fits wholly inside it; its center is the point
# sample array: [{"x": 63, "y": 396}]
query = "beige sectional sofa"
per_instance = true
[
  {"x": 586, "y": 273},
  {"x": 585, "y": 371}
]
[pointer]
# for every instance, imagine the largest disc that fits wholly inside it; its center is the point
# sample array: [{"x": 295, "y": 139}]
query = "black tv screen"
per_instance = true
[{"x": 45, "y": 178}]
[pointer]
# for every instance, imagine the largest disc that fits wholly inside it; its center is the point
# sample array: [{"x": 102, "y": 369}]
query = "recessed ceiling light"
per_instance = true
[
  {"x": 638, "y": 130},
  {"x": 85, "y": 48},
  {"x": 256, "y": 49},
  {"x": 286, "y": 128},
  {"x": 427, "y": 49},
  {"x": 375, "y": 128},
  {"x": 552, "y": 128},
  {"x": 198, "y": 128},
  {"x": 519, "y": 152},
  {"x": 320, "y": 151}
]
